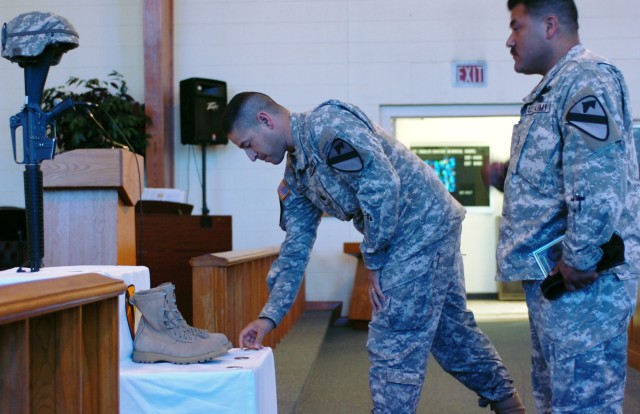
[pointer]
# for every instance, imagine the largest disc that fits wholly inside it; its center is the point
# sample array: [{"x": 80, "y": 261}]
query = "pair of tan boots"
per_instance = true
[{"x": 164, "y": 335}]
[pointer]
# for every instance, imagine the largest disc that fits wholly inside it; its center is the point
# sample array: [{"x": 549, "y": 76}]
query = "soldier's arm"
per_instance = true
[
  {"x": 300, "y": 220},
  {"x": 594, "y": 167}
]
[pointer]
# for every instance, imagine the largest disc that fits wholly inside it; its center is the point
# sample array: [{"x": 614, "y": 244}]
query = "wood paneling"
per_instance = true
[
  {"x": 166, "y": 243},
  {"x": 360, "y": 307},
  {"x": 158, "y": 91},
  {"x": 88, "y": 213},
  {"x": 59, "y": 345},
  {"x": 229, "y": 291},
  {"x": 634, "y": 339}
]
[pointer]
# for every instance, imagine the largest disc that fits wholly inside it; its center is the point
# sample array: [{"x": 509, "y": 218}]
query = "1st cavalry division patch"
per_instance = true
[
  {"x": 589, "y": 116},
  {"x": 343, "y": 157}
]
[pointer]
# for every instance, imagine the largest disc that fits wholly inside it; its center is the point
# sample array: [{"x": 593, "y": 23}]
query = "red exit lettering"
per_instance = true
[{"x": 467, "y": 74}]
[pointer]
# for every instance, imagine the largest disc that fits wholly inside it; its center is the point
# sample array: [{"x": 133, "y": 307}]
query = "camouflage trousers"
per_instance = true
[
  {"x": 429, "y": 313},
  {"x": 579, "y": 346}
]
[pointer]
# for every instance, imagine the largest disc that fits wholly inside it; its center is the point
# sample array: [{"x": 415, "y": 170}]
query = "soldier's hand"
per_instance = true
[
  {"x": 575, "y": 279},
  {"x": 375, "y": 293},
  {"x": 494, "y": 174},
  {"x": 252, "y": 335}
]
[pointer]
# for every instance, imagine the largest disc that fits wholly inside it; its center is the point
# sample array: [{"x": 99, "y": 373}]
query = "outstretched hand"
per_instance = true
[{"x": 252, "y": 335}]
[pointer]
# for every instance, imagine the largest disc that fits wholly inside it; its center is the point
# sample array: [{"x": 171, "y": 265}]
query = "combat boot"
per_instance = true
[
  {"x": 160, "y": 337},
  {"x": 512, "y": 405},
  {"x": 169, "y": 289}
]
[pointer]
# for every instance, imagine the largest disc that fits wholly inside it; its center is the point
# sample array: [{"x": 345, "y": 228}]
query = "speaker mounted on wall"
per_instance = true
[{"x": 202, "y": 103}]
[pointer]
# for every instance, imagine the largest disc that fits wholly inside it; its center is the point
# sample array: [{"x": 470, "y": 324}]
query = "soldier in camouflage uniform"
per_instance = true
[
  {"x": 573, "y": 172},
  {"x": 340, "y": 163}
]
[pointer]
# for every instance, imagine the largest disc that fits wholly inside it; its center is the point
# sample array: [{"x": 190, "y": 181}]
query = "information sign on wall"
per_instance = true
[{"x": 469, "y": 74}]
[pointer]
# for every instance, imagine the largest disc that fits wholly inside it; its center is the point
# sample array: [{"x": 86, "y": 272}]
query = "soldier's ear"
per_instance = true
[
  {"x": 551, "y": 25},
  {"x": 264, "y": 119}
]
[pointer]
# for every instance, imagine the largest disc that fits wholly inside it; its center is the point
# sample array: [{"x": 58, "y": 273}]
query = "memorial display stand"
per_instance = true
[{"x": 89, "y": 213}]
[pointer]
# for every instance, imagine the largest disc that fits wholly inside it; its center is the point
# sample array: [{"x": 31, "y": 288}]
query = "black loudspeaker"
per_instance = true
[{"x": 202, "y": 103}]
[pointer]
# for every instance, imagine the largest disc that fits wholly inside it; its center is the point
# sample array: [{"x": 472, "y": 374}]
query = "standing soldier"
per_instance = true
[
  {"x": 573, "y": 172},
  {"x": 340, "y": 163}
]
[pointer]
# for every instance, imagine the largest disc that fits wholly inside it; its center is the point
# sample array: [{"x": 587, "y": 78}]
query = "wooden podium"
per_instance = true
[{"x": 89, "y": 214}]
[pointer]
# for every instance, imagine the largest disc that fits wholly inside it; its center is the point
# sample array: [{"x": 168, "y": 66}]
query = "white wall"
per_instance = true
[{"x": 369, "y": 52}]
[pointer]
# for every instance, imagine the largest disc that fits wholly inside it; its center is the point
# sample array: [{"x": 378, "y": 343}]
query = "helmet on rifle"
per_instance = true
[{"x": 27, "y": 36}]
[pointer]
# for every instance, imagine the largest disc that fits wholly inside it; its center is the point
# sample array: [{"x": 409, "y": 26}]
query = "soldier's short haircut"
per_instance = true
[
  {"x": 241, "y": 110},
  {"x": 565, "y": 10}
]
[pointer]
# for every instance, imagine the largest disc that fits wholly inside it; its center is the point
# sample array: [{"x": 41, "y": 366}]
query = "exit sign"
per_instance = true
[{"x": 469, "y": 74}]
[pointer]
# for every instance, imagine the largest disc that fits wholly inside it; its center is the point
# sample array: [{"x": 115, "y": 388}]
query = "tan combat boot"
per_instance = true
[
  {"x": 512, "y": 405},
  {"x": 160, "y": 336},
  {"x": 169, "y": 289}
]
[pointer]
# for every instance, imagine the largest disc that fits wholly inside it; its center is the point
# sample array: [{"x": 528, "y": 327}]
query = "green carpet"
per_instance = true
[
  {"x": 338, "y": 380},
  {"x": 295, "y": 356}
]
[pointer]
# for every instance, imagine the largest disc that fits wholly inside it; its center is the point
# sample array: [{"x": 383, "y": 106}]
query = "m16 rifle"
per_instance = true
[{"x": 36, "y": 41}]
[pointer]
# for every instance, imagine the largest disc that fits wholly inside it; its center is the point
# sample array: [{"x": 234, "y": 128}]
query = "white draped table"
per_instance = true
[{"x": 243, "y": 381}]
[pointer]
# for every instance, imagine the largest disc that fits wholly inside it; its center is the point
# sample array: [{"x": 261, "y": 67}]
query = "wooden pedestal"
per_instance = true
[{"x": 89, "y": 198}]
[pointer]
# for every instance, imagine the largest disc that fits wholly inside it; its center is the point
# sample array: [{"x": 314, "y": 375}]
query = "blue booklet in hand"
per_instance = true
[{"x": 550, "y": 254}]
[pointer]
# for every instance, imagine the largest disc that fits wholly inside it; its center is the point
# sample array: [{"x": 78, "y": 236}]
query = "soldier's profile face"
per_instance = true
[
  {"x": 259, "y": 143},
  {"x": 527, "y": 42}
]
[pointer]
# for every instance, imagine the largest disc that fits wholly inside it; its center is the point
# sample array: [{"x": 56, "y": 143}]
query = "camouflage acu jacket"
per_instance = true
[
  {"x": 573, "y": 170},
  {"x": 348, "y": 167}
]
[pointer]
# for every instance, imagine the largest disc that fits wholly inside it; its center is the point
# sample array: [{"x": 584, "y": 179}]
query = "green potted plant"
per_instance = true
[{"x": 106, "y": 117}]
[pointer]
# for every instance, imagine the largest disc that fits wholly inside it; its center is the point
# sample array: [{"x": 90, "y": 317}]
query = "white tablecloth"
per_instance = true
[{"x": 241, "y": 382}]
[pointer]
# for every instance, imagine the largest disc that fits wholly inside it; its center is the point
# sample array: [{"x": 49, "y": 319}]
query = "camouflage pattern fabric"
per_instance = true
[
  {"x": 573, "y": 171},
  {"x": 429, "y": 313},
  {"x": 579, "y": 344},
  {"x": 571, "y": 177},
  {"x": 345, "y": 165},
  {"x": 28, "y": 34},
  {"x": 393, "y": 198}
]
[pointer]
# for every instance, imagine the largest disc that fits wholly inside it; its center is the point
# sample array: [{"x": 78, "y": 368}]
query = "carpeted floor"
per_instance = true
[{"x": 338, "y": 380}]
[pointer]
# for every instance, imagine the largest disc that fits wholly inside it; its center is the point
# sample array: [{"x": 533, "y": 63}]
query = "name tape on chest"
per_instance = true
[
  {"x": 537, "y": 108},
  {"x": 589, "y": 116},
  {"x": 342, "y": 156}
]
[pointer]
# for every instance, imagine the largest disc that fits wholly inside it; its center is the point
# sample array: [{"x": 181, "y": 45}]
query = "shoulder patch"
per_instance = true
[
  {"x": 589, "y": 116},
  {"x": 283, "y": 190},
  {"x": 343, "y": 157}
]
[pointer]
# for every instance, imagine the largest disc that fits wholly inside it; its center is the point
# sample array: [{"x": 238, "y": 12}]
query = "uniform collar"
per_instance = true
[{"x": 541, "y": 88}]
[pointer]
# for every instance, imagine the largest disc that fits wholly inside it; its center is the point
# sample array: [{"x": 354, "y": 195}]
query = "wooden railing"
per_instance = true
[
  {"x": 229, "y": 290},
  {"x": 59, "y": 345},
  {"x": 634, "y": 339}
]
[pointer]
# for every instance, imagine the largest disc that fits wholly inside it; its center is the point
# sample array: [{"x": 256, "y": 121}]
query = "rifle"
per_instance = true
[
  {"x": 38, "y": 144},
  {"x": 36, "y": 41}
]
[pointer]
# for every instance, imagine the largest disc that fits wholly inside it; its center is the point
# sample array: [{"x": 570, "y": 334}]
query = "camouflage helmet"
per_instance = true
[{"x": 27, "y": 35}]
